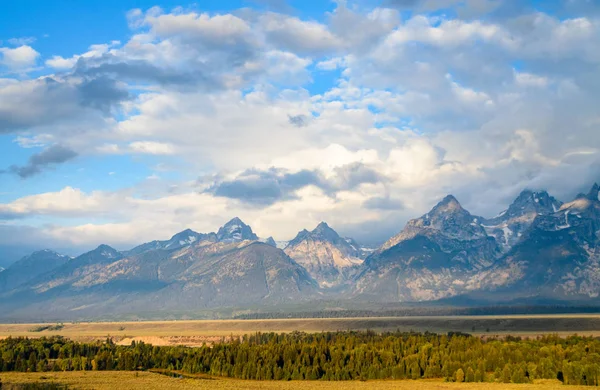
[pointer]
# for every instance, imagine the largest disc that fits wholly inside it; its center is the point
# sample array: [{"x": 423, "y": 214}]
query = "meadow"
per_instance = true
[
  {"x": 198, "y": 332},
  {"x": 151, "y": 381}
]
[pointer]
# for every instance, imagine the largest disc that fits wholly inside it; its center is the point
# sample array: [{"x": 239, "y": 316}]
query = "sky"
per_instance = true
[{"x": 123, "y": 122}]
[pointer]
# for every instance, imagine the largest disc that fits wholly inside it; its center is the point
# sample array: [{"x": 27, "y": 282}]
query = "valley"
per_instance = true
[
  {"x": 150, "y": 381},
  {"x": 197, "y": 333}
]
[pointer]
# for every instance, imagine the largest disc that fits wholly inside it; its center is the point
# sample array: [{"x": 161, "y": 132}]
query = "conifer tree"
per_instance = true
[{"x": 459, "y": 375}]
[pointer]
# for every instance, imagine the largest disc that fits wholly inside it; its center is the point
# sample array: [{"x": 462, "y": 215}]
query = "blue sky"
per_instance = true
[
  {"x": 64, "y": 28},
  {"x": 127, "y": 121}
]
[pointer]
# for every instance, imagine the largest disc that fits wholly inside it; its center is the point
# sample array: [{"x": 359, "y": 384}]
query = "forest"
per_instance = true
[{"x": 334, "y": 356}]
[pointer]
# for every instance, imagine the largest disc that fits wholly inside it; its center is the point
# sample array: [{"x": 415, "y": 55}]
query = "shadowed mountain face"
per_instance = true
[
  {"x": 448, "y": 219},
  {"x": 431, "y": 258},
  {"x": 236, "y": 230},
  {"x": 330, "y": 259},
  {"x": 509, "y": 226},
  {"x": 558, "y": 256},
  {"x": 30, "y": 267},
  {"x": 179, "y": 240},
  {"x": 271, "y": 241},
  {"x": 199, "y": 274},
  {"x": 538, "y": 249}
]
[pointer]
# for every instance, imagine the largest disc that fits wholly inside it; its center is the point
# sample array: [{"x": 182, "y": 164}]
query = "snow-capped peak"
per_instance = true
[{"x": 236, "y": 230}]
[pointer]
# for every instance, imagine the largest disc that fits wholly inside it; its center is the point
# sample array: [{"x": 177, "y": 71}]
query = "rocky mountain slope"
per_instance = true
[
  {"x": 330, "y": 259},
  {"x": 235, "y": 231},
  {"x": 203, "y": 273},
  {"x": 269, "y": 241},
  {"x": 557, "y": 257},
  {"x": 30, "y": 267},
  {"x": 179, "y": 240},
  {"x": 538, "y": 249},
  {"x": 509, "y": 226},
  {"x": 431, "y": 258}
]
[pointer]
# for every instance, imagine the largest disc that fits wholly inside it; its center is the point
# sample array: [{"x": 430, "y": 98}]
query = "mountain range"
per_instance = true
[{"x": 539, "y": 249}]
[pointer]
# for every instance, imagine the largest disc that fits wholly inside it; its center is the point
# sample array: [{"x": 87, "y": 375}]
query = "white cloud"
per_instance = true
[
  {"x": 19, "y": 58},
  {"x": 429, "y": 105},
  {"x": 449, "y": 33},
  {"x": 151, "y": 147},
  {"x": 530, "y": 80},
  {"x": 68, "y": 201},
  {"x": 58, "y": 62},
  {"x": 297, "y": 35},
  {"x": 331, "y": 64},
  {"x": 224, "y": 28}
]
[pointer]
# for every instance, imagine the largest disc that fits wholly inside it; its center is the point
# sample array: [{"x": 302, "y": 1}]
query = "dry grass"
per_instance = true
[
  {"x": 151, "y": 381},
  {"x": 197, "y": 332}
]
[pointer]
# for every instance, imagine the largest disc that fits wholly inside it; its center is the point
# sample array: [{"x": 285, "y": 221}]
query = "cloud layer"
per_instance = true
[{"x": 233, "y": 110}]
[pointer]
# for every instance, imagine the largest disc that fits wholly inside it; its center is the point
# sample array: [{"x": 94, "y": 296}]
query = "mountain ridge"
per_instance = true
[
  {"x": 537, "y": 249},
  {"x": 330, "y": 259}
]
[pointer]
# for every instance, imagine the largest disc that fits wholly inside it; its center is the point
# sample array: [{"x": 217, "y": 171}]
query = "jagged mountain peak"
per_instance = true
[
  {"x": 326, "y": 232},
  {"x": 41, "y": 255},
  {"x": 448, "y": 204},
  {"x": 236, "y": 230},
  {"x": 510, "y": 225},
  {"x": 448, "y": 216},
  {"x": 328, "y": 258},
  {"x": 235, "y": 220},
  {"x": 106, "y": 251},
  {"x": 593, "y": 194},
  {"x": 44, "y": 251},
  {"x": 585, "y": 201},
  {"x": 186, "y": 232},
  {"x": 271, "y": 241},
  {"x": 528, "y": 202},
  {"x": 30, "y": 267},
  {"x": 104, "y": 247},
  {"x": 528, "y": 195},
  {"x": 321, "y": 232},
  {"x": 447, "y": 219},
  {"x": 322, "y": 225},
  {"x": 188, "y": 236}
]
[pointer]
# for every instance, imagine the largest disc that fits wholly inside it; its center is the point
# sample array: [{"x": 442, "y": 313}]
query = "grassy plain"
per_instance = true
[
  {"x": 196, "y": 332},
  {"x": 150, "y": 381}
]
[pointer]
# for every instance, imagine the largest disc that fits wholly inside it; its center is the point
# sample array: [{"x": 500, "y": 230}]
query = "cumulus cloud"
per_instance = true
[
  {"x": 18, "y": 58},
  {"x": 496, "y": 98},
  {"x": 265, "y": 187},
  {"x": 299, "y": 36},
  {"x": 151, "y": 147},
  {"x": 273, "y": 185},
  {"x": 52, "y": 100},
  {"x": 61, "y": 63}
]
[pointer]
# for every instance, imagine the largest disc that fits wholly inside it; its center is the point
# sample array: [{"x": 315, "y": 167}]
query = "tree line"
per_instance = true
[{"x": 328, "y": 356}]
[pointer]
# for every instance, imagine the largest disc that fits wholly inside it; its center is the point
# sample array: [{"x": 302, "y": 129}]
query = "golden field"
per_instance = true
[
  {"x": 197, "y": 332},
  {"x": 88, "y": 380}
]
